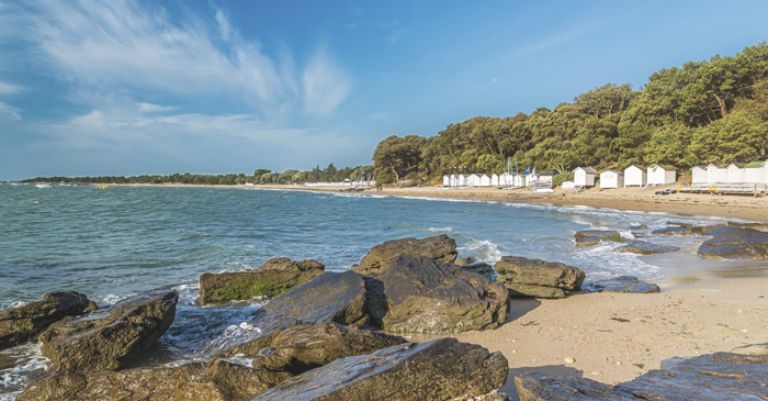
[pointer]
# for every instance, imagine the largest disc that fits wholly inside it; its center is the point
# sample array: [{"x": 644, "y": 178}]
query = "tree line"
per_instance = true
[
  {"x": 713, "y": 111},
  {"x": 260, "y": 176}
]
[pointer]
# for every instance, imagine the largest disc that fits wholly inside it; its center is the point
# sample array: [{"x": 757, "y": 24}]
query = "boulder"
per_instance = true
[
  {"x": 679, "y": 229},
  {"x": 647, "y": 248},
  {"x": 480, "y": 268},
  {"x": 185, "y": 383},
  {"x": 22, "y": 324},
  {"x": 276, "y": 276},
  {"x": 440, "y": 247},
  {"x": 713, "y": 377},
  {"x": 627, "y": 284},
  {"x": 239, "y": 374},
  {"x": 533, "y": 291},
  {"x": 594, "y": 237},
  {"x": 109, "y": 338},
  {"x": 422, "y": 295},
  {"x": 442, "y": 369},
  {"x": 736, "y": 243},
  {"x": 540, "y": 273}
]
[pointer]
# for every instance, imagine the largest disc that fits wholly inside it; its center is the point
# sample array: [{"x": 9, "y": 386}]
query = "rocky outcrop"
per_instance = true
[
  {"x": 627, "y": 284},
  {"x": 330, "y": 297},
  {"x": 422, "y": 295},
  {"x": 471, "y": 265},
  {"x": 714, "y": 377},
  {"x": 594, "y": 237},
  {"x": 109, "y": 338},
  {"x": 538, "y": 278},
  {"x": 441, "y": 248},
  {"x": 679, "y": 229},
  {"x": 240, "y": 374},
  {"x": 647, "y": 248},
  {"x": 23, "y": 324},
  {"x": 736, "y": 243},
  {"x": 443, "y": 369},
  {"x": 276, "y": 276}
]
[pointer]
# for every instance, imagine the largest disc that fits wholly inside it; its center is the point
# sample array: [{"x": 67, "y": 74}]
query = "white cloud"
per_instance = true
[
  {"x": 154, "y": 108},
  {"x": 326, "y": 84},
  {"x": 9, "y": 89},
  {"x": 132, "y": 46},
  {"x": 6, "y": 110}
]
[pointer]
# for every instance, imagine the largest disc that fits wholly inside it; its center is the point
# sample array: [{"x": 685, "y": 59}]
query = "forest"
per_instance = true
[
  {"x": 713, "y": 111},
  {"x": 260, "y": 176}
]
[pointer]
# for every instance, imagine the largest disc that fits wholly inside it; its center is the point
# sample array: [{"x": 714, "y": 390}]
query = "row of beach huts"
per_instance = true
[{"x": 735, "y": 178}]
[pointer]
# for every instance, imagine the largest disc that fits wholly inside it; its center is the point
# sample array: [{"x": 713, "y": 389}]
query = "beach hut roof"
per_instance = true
[
  {"x": 613, "y": 171},
  {"x": 739, "y": 165},
  {"x": 664, "y": 166},
  {"x": 756, "y": 163},
  {"x": 587, "y": 169},
  {"x": 637, "y": 166}
]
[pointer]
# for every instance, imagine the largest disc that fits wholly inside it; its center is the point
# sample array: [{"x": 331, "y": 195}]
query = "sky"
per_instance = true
[{"x": 124, "y": 87}]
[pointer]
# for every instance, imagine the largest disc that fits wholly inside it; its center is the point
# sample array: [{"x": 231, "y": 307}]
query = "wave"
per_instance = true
[
  {"x": 482, "y": 250},
  {"x": 29, "y": 364}
]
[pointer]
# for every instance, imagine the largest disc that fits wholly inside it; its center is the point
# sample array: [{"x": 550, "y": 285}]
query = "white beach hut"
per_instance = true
[
  {"x": 756, "y": 172},
  {"x": 699, "y": 176},
  {"x": 461, "y": 181},
  {"x": 612, "y": 179},
  {"x": 661, "y": 175},
  {"x": 634, "y": 176},
  {"x": 584, "y": 177},
  {"x": 735, "y": 174},
  {"x": 446, "y": 181},
  {"x": 473, "y": 180},
  {"x": 485, "y": 181},
  {"x": 494, "y": 180},
  {"x": 454, "y": 181}
]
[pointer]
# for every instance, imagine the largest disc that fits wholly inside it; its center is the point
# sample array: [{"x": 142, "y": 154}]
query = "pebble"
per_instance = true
[{"x": 570, "y": 359}]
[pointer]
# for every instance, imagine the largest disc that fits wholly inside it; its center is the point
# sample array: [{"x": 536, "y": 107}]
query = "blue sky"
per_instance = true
[{"x": 134, "y": 87}]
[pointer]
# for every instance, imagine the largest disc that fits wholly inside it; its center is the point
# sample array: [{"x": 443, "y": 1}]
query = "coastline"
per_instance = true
[{"x": 626, "y": 199}]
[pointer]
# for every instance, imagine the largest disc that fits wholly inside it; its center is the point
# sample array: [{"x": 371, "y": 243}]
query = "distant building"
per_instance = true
[
  {"x": 699, "y": 175},
  {"x": 584, "y": 177},
  {"x": 454, "y": 181},
  {"x": 494, "y": 180},
  {"x": 485, "y": 181},
  {"x": 446, "y": 181},
  {"x": 635, "y": 176},
  {"x": 461, "y": 181},
  {"x": 611, "y": 179},
  {"x": 473, "y": 180},
  {"x": 661, "y": 175}
]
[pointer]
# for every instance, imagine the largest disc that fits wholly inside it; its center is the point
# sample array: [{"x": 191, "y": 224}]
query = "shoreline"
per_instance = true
[{"x": 625, "y": 199}]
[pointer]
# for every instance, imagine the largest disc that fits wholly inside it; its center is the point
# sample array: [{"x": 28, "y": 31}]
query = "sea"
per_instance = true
[{"x": 111, "y": 244}]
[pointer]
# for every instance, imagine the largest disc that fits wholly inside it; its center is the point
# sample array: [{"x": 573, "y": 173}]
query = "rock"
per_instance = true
[
  {"x": 627, "y": 284},
  {"x": 422, "y": 295},
  {"x": 752, "y": 349},
  {"x": 736, "y": 243},
  {"x": 464, "y": 261},
  {"x": 440, "y": 247},
  {"x": 594, "y": 237},
  {"x": 186, "y": 383},
  {"x": 276, "y": 276},
  {"x": 688, "y": 229},
  {"x": 569, "y": 360},
  {"x": 480, "y": 268},
  {"x": 22, "y": 324},
  {"x": 647, "y": 248},
  {"x": 533, "y": 291},
  {"x": 240, "y": 374},
  {"x": 537, "y": 272},
  {"x": 109, "y": 338},
  {"x": 442, "y": 369},
  {"x": 638, "y": 227},
  {"x": 714, "y": 377}
]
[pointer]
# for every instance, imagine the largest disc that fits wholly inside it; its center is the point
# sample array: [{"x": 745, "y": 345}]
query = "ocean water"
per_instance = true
[{"x": 110, "y": 244}]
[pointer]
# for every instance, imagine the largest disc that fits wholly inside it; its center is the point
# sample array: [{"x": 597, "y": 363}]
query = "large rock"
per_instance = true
[
  {"x": 185, "y": 383},
  {"x": 647, "y": 248},
  {"x": 422, "y": 295},
  {"x": 680, "y": 229},
  {"x": 538, "y": 278},
  {"x": 594, "y": 237},
  {"x": 626, "y": 284},
  {"x": 736, "y": 243},
  {"x": 714, "y": 377},
  {"x": 109, "y": 338},
  {"x": 440, "y": 247},
  {"x": 276, "y": 276},
  {"x": 239, "y": 374},
  {"x": 22, "y": 324},
  {"x": 443, "y": 369}
]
